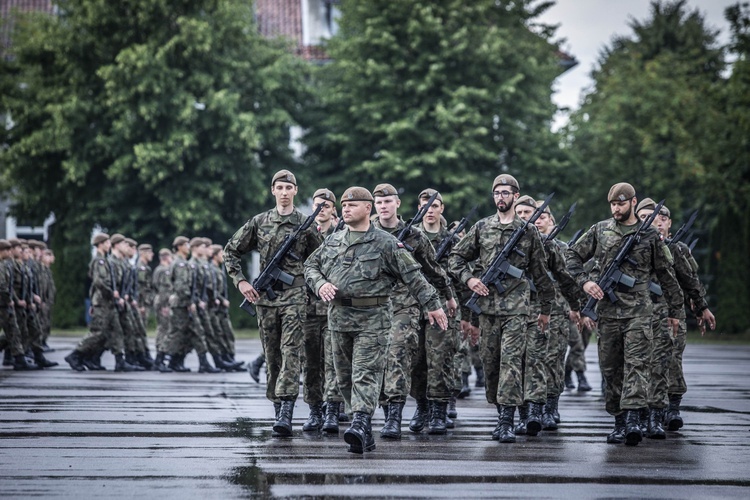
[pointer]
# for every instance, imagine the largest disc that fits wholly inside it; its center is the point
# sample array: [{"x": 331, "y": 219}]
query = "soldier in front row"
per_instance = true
[{"x": 354, "y": 270}]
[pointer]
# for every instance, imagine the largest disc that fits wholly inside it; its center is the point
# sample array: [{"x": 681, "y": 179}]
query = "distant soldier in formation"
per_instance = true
[{"x": 162, "y": 286}]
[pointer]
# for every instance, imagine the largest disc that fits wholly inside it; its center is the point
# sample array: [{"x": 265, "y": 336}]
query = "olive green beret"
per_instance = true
[
  {"x": 197, "y": 241},
  {"x": 99, "y": 238},
  {"x": 14, "y": 242},
  {"x": 116, "y": 238},
  {"x": 4, "y": 245},
  {"x": 215, "y": 249},
  {"x": 649, "y": 204},
  {"x": 526, "y": 200},
  {"x": 356, "y": 193},
  {"x": 131, "y": 242},
  {"x": 505, "y": 180},
  {"x": 326, "y": 194},
  {"x": 621, "y": 191},
  {"x": 179, "y": 241},
  {"x": 426, "y": 194},
  {"x": 164, "y": 252},
  {"x": 284, "y": 176},
  {"x": 385, "y": 190},
  {"x": 207, "y": 241},
  {"x": 145, "y": 246}
]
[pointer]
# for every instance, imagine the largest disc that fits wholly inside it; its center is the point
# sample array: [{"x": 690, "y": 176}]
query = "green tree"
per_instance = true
[
  {"x": 446, "y": 94},
  {"x": 147, "y": 117}
]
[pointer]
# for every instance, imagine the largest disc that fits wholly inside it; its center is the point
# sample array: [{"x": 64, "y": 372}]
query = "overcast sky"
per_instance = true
[{"x": 589, "y": 25}]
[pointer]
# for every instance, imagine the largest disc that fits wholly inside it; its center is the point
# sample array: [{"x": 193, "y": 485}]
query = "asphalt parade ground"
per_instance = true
[{"x": 65, "y": 434}]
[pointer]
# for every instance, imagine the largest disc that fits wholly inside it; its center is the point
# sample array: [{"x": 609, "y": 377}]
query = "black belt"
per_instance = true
[
  {"x": 280, "y": 285},
  {"x": 360, "y": 302}
]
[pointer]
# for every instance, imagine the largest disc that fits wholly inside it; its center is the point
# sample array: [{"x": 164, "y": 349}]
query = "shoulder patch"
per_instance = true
[
  {"x": 399, "y": 244},
  {"x": 101, "y": 261},
  {"x": 181, "y": 264}
]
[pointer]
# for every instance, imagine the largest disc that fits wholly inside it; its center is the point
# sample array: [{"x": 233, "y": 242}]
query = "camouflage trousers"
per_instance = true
[
  {"x": 460, "y": 360},
  {"x": 227, "y": 329},
  {"x": 332, "y": 391},
  {"x": 185, "y": 333},
  {"x": 677, "y": 384},
  {"x": 433, "y": 371},
  {"x": 224, "y": 336},
  {"x": 578, "y": 342},
  {"x": 31, "y": 332},
  {"x": 281, "y": 335},
  {"x": 624, "y": 358},
  {"x": 45, "y": 321},
  {"x": 473, "y": 359},
  {"x": 131, "y": 329},
  {"x": 313, "y": 362},
  {"x": 404, "y": 341},
  {"x": 502, "y": 346},
  {"x": 555, "y": 360},
  {"x": 162, "y": 329},
  {"x": 12, "y": 334},
  {"x": 105, "y": 332},
  {"x": 535, "y": 370},
  {"x": 213, "y": 341},
  {"x": 360, "y": 358},
  {"x": 141, "y": 338},
  {"x": 661, "y": 359}
]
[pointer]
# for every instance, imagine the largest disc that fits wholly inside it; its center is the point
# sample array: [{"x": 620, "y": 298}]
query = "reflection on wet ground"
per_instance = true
[{"x": 68, "y": 434}]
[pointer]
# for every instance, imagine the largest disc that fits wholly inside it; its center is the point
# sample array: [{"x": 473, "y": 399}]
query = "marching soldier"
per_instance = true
[
  {"x": 162, "y": 285},
  {"x": 11, "y": 340}
]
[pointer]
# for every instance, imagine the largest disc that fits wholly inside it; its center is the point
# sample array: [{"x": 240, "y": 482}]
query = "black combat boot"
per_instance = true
[
  {"x": 74, "y": 359},
  {"x": 177, "y": 363},
  {"x": 617, "y": 436},
  {"x": 437, "y": 417},
  {"x": 672, "y": 418},
  {"x": 480, "y": 377},
  {"x": 163, "y": 362},
  {"x": 21, "y": 363},
  {"x": 523, "y": 415},
  {"x": 452, "y": 412},
  {"x": 232, "y": 364},
  {"x": 343, "y": 417},
  {"x": 583, "y": 384},
  {"x": 569, "y": 379},
  {"x": 331, "y": 423},
  {"x": 219, "y": 362},
  {"x": 145, "y": 360},
  {"x": 315, "y": 420},
  {"x": 421, "y": 414},
  {"x": 535, "y": 422},
  {"x": 555, "y": 401},
  {"x": 205, "y": 366},
  {"x": 633, "y": 434},
  {"x": 123, "y": 366},
  {"x": 505, "y": 419},
  {"x": 359, "y": 435},
  {"x": 465, "y": 387},
  {"x": 43, "y": 362},
  {"x": 131, "y": 359},
  {"x": 548, "y": 416},
  {"x": 392, "y": 427},
  {"x": 283, "y": 425},
  {"x": 93, "y": 362},
  {"x": 655, "y": 429},
  {"x": 643, "y": 417},
  {"x": 449, "y": 423},
  {"x": 7, "y": 358},
  {"x": 254, "y": 368},
  {"x": 276, "y": 410}
]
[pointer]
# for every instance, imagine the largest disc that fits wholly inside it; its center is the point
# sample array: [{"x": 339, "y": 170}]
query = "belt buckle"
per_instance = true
[{"x": 346, "y": 302}]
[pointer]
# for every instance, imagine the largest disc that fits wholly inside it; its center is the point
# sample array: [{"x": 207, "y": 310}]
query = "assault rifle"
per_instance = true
[
  {"x": 415, "y": 220},
  {"x": 272, "y": 272},
  {"x": 682, "y": 232},
  {"x": 692, "y": 244},
  {"x": 339, "y": 226},
  {"x": 563, "y": 222},
  {"x": 449, "y": 240},
  {"x": 500, "y": 267},
  {"x": 575, "y": 237},
  {"x": 612, "y": 275}
]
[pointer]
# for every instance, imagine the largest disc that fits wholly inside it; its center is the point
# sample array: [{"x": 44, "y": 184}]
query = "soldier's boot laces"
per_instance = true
[
  {"x": 392, "y": 427},
  {"x": 617, "y": 436},
  {"x": 536, "y": 420},
  {"x": 505, "y": 419},
  {"x": 43, "y": 362},
  {"x": 633, "y": 434},
  {"x": 204, "y": 366},
  {"x": 655, "y": 429},
  {"x": 20, "y": 362},
  {"x": 359, "y": 435},
  {"x": 548, "y": 416},
  {"x": 672, "y": 418},
  {"x": 123, "y": 366},
  {"x": 420, "y": 417},
  {"x": 437, "y": 418},
  {"x": 343, "y": 417},
  {"x": 283, "y": 425},
  {"x": 465, "y": 387},
  {"x": 331, "y": 422},
  {"x": 480, "y": 378},
  {"x": 523, "y": 415},
  {"x": 583, "y": 384},
  {"x": 569, "y": 379},
  {"x": 315, "y": 420},
  {"x": 74, "y": 360},
  {"x": 452, "y": 412},
  {"x": 254, "y": 368}
]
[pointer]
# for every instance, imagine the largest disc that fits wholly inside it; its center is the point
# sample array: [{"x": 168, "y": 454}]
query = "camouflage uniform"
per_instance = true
[
  {"x": 280, "y": 320},
  {"x": 162, "y": 285},
  {"x": 185, "y": 330},
  {"x": 365, "y": 270},
  {"x": 146, "y": 290},
  {"x": 205, "y": 293},
  {"x": 105, "y": 331},
  {"x": 128, "y": 316},
  {"x": 405, "y": 335},
  {"x": 504, "y": 317},
  {"x": 625, "y": 334},
  {"x": 221, "y": 312},
  {"x": 12, "y": 334},
  {"x": 28, "y": 322}
]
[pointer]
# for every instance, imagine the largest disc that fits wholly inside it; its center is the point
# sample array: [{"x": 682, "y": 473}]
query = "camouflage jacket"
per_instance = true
[
  {"x": 184, "y": 277},
  {"x": 103, "y": 281},
  {"x": 51, "y": 288},
  {"x": 161, "y": 282},
  {"x": 265, "y": 232},
  {"x": 146, "y": 291},
  {"x": 435, "y": 240},
  {"x": 568, "y": 295},
  {"x": 7, "y": 293},
  {"x": 483, "y": 241},
  {"x": 315, "y": 306},
  {"x": 366, "y": 268},
  {"x": 651, "y": 256},
  {"x": 424, "y": 254},
  {"x": 686, "y": 272}
]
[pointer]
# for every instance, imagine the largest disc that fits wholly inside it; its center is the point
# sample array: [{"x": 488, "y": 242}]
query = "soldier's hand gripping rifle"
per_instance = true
[
  {"x": 272, "y": 272},
  {"x": 500, "y": 267},
  {"x": 415, "y": 220},
  {"x": 563, "y": 222},
  {"x": 612, "y": 275},
  {"x": 449, "y": 240}
]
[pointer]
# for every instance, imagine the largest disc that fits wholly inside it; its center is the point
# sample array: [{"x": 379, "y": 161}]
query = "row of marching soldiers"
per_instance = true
[
  {"x": 27, "y": 293},
  {"x": 188, "y": 297}
]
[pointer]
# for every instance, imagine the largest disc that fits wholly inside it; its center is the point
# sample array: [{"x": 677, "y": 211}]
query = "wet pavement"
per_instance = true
[{"x": 65, "y": 434}]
